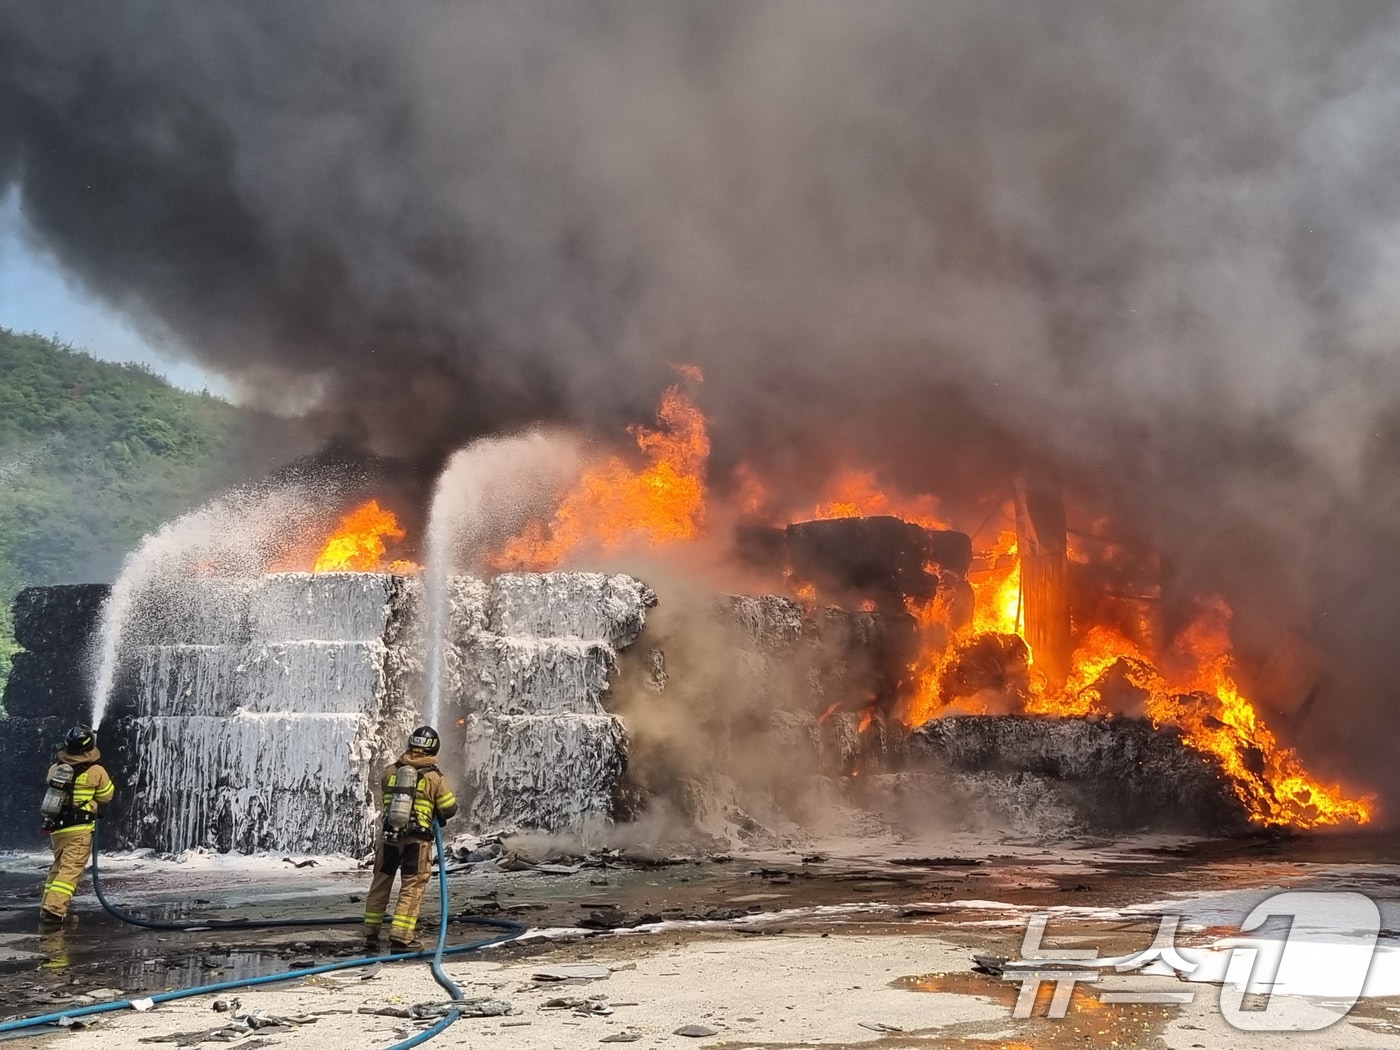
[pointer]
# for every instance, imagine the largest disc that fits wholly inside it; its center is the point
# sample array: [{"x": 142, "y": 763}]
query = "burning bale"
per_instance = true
[{"x": 989, "y": 669}]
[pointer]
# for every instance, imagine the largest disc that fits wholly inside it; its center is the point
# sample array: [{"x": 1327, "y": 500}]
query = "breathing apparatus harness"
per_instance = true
[
  {"x": 400, "y": 816},
  {"x": 57, "y": 808}
]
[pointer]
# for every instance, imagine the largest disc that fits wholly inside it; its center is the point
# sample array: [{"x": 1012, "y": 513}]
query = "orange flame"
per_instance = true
[
  {"x": 357, "y": 545},
  {"x": 1200, "y": 697},
  {"x": 617, "y": 506},
  {"x": 857, "y": 494},
  {"x": 997, "y": 586}
]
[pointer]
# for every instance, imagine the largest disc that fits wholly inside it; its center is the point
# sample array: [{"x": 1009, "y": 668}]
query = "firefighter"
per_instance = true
[
  {"x": 415, "y": 795},
  {"x": 79, "y": 789}
]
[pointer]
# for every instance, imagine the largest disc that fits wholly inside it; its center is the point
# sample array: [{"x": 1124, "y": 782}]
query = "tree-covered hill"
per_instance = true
[{"x": 92, "y": 456}]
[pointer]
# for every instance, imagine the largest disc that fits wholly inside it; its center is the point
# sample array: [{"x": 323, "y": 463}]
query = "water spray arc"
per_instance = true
[
  {"x": 234, "y": 536},
  {"x": 485, "y": 493}
]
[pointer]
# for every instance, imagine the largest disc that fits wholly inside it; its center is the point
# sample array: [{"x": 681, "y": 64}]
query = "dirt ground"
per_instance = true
[{"x": 853, "y": 946}]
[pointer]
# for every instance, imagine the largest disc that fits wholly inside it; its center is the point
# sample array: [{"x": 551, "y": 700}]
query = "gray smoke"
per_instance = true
[{"x": 1152, "y": 248}]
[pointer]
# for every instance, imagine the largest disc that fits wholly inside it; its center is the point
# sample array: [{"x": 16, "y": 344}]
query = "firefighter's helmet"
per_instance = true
[
  {"x": 79, "y": 739},
  {"x": 426, "y": 740}
]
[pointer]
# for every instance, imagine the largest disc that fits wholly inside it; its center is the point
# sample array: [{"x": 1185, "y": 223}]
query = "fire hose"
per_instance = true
[{"x": 514, "y": 929}]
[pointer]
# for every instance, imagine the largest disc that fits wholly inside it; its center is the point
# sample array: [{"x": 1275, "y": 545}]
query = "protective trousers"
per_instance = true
[
  {"x": 71, "y": 851},
  {"x": 412, "y": 859}
]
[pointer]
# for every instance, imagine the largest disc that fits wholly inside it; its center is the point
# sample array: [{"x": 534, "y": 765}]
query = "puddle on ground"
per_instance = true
[{"x": 1087, "y": 1020}]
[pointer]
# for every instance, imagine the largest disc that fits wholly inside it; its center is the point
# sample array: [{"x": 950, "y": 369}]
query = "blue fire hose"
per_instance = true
[{"x": 514, "y": 929}]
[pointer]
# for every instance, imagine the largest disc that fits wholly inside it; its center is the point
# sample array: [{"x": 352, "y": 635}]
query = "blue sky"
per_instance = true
[{"x": 36, "y": 295}]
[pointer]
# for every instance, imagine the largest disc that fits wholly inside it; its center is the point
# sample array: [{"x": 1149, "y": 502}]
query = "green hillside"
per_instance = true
[{"x": 93, "y": 455}]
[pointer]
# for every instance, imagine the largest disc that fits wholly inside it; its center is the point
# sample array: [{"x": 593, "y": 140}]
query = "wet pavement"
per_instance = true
[{"x": 972, "y": 894}]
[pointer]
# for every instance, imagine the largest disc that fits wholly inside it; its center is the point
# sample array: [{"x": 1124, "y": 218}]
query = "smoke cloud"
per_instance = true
[{"x": 1152, "y": 249}]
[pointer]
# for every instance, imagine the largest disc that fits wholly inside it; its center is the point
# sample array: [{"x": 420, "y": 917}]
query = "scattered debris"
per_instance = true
[
  {"x": 98, "y": 995},
  {"x": 879, "y": 1026},
  {"x": 621, "y": 1037},
  {"x": 326, "y": 980},
  {"x": 480, "y": 1006},
  {"x": 938, "y": 862},
  {"x": 695, "y": 1031},
  {"x": 992, "y": 965},
  {"x": 484, "y": 1006},
  {"x": 142, "y": 1005},
  {"x": 573, "y": 972},
  {"x": 595, "y": 1006},
  {"x": 241, "y": 1026}
]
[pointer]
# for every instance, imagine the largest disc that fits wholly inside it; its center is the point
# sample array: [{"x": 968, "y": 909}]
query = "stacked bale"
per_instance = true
[
  {"x": 49, "y": 689},
  {"x": 532, "y": 656},
  {"x": 261, "y": 721},
  {"x": 1110, "y": 774},
  {"x": 51, "y": 677}
]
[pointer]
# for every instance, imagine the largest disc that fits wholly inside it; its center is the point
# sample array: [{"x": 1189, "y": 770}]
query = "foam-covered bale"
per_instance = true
[
  {"x": 187, "y": 679},
  {"x": 1123, "y": 772},
  {"x": 43, "y": 685},
  {"x": 199, "y": 610},
  {"x": 839, "y": 742},
  {"x": 464, "y": 620},
  {"x": 535, "y": 676},
  {"x": 296, "y": 783},
  {"x": 589, "y": 605},
  {"x": 26, "y": 747},
  {"x": 558, "y": 773},
  {"x": 322, "y": 606},
  {"x": 767, "y": 623},
  {"x": 467, "y": 602},
  {"x": 61, "y": 619},
  {"x": 314, "y": 678}
]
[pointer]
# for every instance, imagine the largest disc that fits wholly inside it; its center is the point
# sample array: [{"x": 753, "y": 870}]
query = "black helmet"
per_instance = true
[
  {"x": 79, "y": 739},
  {"x": 426, "y": 740}
]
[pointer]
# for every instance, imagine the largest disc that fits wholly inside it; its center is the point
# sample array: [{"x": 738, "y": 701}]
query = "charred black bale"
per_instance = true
[
  {"x": 27, "y": 746},
  {"x": 762, "y": 546},
  {"x": 61, "y": 619},
  {"x": 57, "y": 627},
  {"x": 881, "y": 558},
  {"x": 1122, "y": 774},
  {"x": 43, "y": 685}
]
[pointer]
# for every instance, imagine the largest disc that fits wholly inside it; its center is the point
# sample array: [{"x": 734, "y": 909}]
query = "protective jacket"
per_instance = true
[
  {"x": 432, "y": 799},
  {"x": 92, "y": 787}
]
